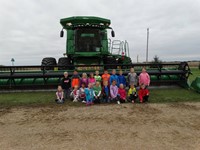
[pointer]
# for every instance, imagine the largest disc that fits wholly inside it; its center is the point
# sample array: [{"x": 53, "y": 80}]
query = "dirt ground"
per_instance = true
[{"x": 139, "y": 126}]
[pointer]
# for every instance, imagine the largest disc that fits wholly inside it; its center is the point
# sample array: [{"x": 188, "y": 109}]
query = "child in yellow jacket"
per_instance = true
[{"x": 132, "y": 94}]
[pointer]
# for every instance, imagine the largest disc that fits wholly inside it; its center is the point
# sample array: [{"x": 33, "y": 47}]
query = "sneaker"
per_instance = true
[
  {"x": 133, "y": 101},
  {"x": 118, "y": 102},
  {"x": 84, "y": 102},
  {"x": 75, "y": 100}
]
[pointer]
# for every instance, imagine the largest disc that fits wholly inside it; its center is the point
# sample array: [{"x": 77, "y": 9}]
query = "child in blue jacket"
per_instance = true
[
  {"x": 89, "y": 95},
  {"x": 114, "y": 77},
  {"x": 122, "y": 79}
]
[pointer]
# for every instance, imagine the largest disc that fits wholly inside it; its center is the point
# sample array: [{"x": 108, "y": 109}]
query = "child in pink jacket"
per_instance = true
[{"x": 144, "y": 78}]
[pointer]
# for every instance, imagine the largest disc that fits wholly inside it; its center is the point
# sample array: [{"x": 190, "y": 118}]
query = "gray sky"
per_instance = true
[{"x": 29, "y": 29}]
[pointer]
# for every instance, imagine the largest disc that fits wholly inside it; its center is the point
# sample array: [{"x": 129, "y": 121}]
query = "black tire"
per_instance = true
[
  {"x": 48, "y": 63},
  {"x": 110, "y": 60},
  {"x": 64, "y": 62}
]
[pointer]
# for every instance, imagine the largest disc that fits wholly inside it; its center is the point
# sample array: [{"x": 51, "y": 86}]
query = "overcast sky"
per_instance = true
[{"x": 29, "y": 29}]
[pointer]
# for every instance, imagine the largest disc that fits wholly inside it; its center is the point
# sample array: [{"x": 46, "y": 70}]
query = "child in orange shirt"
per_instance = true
[{"x": 105, "y": 76}]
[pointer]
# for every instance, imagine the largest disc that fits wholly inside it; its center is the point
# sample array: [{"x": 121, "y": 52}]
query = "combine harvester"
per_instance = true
[{"x": 88, "y": 49}]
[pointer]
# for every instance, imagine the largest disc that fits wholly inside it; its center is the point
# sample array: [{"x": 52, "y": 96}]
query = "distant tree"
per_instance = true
[
  {"x": 156, "y": 62},
  {"x": 156, "y": 59}
]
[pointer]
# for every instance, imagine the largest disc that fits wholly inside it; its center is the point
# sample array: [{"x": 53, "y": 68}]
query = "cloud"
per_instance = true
[{"x": 29, "y": 30}]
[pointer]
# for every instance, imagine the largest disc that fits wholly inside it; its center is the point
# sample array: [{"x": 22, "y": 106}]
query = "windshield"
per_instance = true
[{"x": 88, "y": 40}]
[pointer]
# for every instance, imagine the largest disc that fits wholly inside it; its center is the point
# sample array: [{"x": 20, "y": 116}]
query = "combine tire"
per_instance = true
[
  {"x": 112, "y": 61},
  {"x": 63, "y": 63},
  {"x": 48, "y": 63}
]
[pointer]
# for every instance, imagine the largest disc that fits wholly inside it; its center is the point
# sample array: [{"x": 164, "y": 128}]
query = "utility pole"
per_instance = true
[{"x": 147, "y": 49}]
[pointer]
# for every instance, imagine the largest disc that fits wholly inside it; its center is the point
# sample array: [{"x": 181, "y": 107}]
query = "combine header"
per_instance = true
[{"x": 88, "y": 49}]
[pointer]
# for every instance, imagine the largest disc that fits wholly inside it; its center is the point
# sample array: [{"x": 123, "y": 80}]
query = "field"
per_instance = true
[
  {"x": 139, "y": 126},
  {"x": 31, "y": 120}
]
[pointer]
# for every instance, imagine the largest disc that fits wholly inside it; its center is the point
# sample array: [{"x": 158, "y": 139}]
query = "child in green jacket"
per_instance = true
[{"x": 97, "y": 92}]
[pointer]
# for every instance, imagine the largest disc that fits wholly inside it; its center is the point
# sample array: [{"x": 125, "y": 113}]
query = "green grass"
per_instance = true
[
  {"x": 47, "y": 98},
  {"x": 195, "y": 73},
  {"x": 173, "y": 95},
  {"x": 26, "y": 98}
]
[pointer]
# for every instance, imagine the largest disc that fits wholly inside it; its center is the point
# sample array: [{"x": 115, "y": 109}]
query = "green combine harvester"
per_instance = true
[{"x": 88, "y": 49}]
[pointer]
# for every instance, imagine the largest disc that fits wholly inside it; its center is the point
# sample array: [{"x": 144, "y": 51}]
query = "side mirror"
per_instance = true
[
  {"x": 61, "y": 33},
  {"x": 113, "y": 33}
]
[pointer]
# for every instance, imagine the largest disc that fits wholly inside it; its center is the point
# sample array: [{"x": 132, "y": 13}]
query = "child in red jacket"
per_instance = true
[
  {"x": 121, "y": 94},
  {"x": 143, "y": 94}
]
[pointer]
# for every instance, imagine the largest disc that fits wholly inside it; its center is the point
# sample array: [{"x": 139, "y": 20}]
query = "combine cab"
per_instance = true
[{"x": 88, "y": 49}]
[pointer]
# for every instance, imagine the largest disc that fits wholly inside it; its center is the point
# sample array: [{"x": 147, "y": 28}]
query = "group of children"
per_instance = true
[{"x": 104, "y": 89}]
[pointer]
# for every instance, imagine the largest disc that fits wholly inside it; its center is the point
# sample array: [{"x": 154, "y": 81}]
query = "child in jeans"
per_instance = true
[
  {"x": 114, "y": 92},
  {"x": 66, "y": 85},
  {"x": 97, "y": 92},
  {"x": 97, "y": 76},
  {"x": 91, "y": 79},
  {"x": 105, "y": 92},
  {"x": 75, "y": 94},
  {"x": 121, "y": 94},
  {"x": 143, "y": 94},
  {"x": 132, "y": 94},
  {"x": 82, "y": 93},
  {"x": 89, "y": 95},
  {"x": 59, "y": 95}
]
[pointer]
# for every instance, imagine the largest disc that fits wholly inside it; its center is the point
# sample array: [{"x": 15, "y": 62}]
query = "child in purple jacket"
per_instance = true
[
  {"x": 114, "y": 92},
  {"x": 84, "y": 79}
]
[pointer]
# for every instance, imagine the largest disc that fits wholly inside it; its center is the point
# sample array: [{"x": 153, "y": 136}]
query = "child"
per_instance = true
[
  {"x": 122, "y": 94},
  {"x": 122, "y": 79},
  {"x": 132, "y": 93},
  {"x": 82, "y": 93},
  {"x": 59, "y": 95},
  {"x": 92, "y": 79},
  {"x": 97, "y": 76},
  {"x": 132, "y": 78},
  {"x": 75, "y": 79},
  {"x": 66, "y": 84},
  {"x": 143, "y": 94},
  {"x": 97, "y": 92},
  {"x": 75, "y": 94},
  {"x": 114, "y": 77},
  {"x": 106, "y": 76},
  {"x": 144, "y": 78},
  {"x": 105, "y": 92},
  {"x": 114, "y": 92},
  {"x": 84, "y": 79},
  {"x": 89, "y": 95}
]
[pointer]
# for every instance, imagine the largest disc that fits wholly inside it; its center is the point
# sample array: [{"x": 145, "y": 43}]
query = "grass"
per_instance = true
[
  {"x": 47, "y": 98},
  {"x": 173, "y": 95},
  {"x": 195, "y": 73}
]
